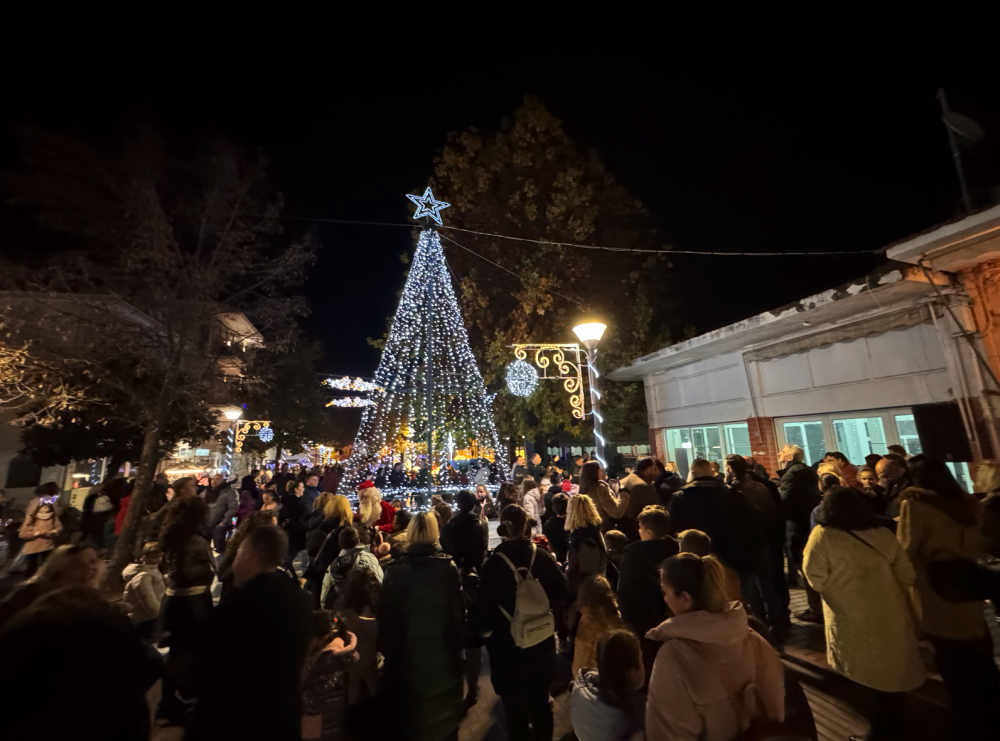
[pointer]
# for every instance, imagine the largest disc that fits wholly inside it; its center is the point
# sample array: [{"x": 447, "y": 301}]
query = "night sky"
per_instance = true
[{"x": 756, "y": 146}]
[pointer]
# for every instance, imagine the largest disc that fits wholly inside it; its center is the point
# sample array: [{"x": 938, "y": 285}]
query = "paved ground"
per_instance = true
[{"x": 837, "y": 704}]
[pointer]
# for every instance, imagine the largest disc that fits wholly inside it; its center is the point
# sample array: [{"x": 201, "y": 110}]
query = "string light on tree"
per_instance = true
[
  {"x": 353, "y": 384},
  {"x": 352, "y": 402},
  {"x": 522, "y": 378},
  {"x": 433, "y": 392}
]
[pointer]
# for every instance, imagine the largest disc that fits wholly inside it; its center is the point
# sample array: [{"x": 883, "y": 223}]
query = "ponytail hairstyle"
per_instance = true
[
  {"x": 513, "y": 521},
  {"x": 618, "y": 655},
  {"x": 702, "y": 577}
]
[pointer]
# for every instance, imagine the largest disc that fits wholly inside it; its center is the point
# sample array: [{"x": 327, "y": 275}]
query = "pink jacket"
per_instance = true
[{"x": 712, "y": 675}]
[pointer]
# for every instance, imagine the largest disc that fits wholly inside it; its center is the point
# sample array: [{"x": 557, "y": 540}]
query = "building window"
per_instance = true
[
  {"x": 807, "y": 435},
  {"x": 908, "y": 436},
  {"x": 860, "y": 437},
  {"x": 684, "y": 445},
  {"x": 737, "y": 439}
]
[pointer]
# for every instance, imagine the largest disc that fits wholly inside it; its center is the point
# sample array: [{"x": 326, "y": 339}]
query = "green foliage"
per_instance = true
[
  {"x": 530, "y": 180},
  {"x": 290, "y": 395}
]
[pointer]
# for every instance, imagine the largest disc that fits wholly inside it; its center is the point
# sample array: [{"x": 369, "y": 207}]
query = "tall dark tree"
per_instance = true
[
  {"x": 531, "y": 181},
  {"x": 182, "y": 273}
]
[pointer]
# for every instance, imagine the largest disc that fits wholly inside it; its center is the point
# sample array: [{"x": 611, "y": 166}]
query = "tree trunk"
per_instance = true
[
  {"x": 112, "y": 470},
  {"x": 125, "y": 546}
]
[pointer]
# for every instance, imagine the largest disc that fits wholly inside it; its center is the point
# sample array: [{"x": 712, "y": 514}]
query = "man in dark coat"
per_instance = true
[
  {"x": 249, "y": 483},
  {"x": 640, "y": 598},
  {"x": 250, "y": 687},
  {"x": 223, "y": 503},
  {"x": 537, "y": 469},
  {"x": 465, "y": 537},
  {"x": 799, "y": 490},
  {"x": 292, "y": 518},
  {"x": 896, "y": 472},
  {"x": 420, "y": 632},
  {"x": 707, "y": 504},
  {"x": 642, "y": 494}
]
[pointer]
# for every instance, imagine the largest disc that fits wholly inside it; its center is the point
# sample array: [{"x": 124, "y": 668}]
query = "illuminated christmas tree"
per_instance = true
[{"x": 433, "y": 405}]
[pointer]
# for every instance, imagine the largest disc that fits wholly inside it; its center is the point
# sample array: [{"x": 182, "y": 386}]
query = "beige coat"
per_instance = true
[
  {"x": 709, "y": 663},
  {"x": 609, "y": 505},
  {"x": 869, "y": 625},
  {"x": 926, "y": 532},
  {"x": 39, "y": 534},
  {"x": 641, "y": 494}
]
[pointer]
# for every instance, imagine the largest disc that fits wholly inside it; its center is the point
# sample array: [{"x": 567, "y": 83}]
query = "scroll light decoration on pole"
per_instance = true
[
  {"x": 253, "y": 425},
  {"x": 558, "y": 362}
]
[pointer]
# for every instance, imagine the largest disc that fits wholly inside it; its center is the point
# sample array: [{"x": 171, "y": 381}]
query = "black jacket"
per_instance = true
[
  {"x": 249, "y": 686},
  {"x": 465, "y": 537},
  {"x": 420, "y": 624},
  {"x": 707, "y": 504},
  {"x": 292, "y": 518},
  {"x": 587, "y": 556},
  {"x": 555, "y": 530},
  {"x": 512, "y": 667},
  {"x": 666, "y": 485},
  {"x": 799, "y": 489},
  {"x": 892, "y": 500},
  {"x": 547, "y": 500},
  {"x": 640, "y": 598}
]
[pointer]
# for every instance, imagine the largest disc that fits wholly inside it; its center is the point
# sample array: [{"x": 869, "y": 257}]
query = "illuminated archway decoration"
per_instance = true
[
  {"x": 558, "y": 362},
  {"x": 245, "y": 427}
]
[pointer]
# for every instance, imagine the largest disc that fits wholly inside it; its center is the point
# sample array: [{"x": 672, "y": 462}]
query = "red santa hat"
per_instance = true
[{"x": 366, "y": 485}]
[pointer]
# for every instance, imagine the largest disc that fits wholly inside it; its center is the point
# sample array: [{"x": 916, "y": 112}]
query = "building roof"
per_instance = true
[
  {"x": 868, "y": 303},
  {"x": 954, "y": 245}
]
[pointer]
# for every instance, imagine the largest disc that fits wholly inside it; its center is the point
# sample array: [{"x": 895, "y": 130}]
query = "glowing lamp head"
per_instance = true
[
  {"x": 233, "y": 414},
  {"x": 590, "y": 333}
]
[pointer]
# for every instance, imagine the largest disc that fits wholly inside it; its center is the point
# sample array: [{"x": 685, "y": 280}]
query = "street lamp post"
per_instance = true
[
  {"x": 589, "y": 334},
  {"x": 232, "y": 415}
]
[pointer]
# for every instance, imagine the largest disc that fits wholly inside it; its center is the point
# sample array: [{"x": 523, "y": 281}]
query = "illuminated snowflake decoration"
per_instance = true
[
  {"x": 266, "y": 434},
  {"x": 428, "y": 206},
  {"x": 521, "y": 378}
]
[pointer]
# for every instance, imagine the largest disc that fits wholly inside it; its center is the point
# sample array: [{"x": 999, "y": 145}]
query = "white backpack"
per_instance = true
[{"x": 532, "y": 621}]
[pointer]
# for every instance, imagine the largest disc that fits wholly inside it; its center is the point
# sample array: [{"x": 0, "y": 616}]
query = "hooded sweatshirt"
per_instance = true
[
  {"x": 144, "y": 590},
  {"x": 710, "y": 664},
  {"x": 594, "y": 719}
]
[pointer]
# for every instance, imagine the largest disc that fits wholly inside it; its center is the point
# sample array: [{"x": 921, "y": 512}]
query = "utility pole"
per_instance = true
[{"x": 955, "y": 153}]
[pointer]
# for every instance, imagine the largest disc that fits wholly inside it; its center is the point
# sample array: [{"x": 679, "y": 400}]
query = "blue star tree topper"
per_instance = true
[{"x": 428, "y": 206}]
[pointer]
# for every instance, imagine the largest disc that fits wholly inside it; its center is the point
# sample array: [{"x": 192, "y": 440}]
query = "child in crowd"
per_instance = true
[
  {"x": 144, "y": 590},
  {"x": 698, "y": 543},
  {"x": 324, "y": 682},
  {"x": 607, "y": 703},
  {"x": 357, "y": 607},
  {"x": 598, "y": 614}
]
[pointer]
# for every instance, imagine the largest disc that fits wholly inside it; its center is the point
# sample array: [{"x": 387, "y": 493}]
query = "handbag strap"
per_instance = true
[{"x": 862, "y": 540}]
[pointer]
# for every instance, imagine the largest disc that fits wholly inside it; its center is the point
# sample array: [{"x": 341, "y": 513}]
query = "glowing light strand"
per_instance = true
[{"x": 426, "y": 396}]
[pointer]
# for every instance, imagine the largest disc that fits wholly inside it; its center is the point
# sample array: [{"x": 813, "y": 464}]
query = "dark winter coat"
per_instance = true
[
  {"x": 640, "y": 599},
  {"x": 799, "y": 489},
  {"x": 190, "y": 565},
  {"x": 892, "y": 498},
  {"x": 666, "y": 485},
  {"x": 222, "y": 506},
  {"x": 292, "y": 518},
  {"x": 555, "y": 530},
  {"x": 587, "y": 555},
  {"x": 250, "y": 687},
  {"x": 766, "y": 503},
  {"x": 549, "y": 513},
  {"x": 420, "y": 635},
  {"x": 707, "y": 504},
  {"x": 512, "y": 667},
  {"x": 465, "y": 538}
]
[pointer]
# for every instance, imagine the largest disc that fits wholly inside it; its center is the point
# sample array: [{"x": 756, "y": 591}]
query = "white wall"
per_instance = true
[{"x": 895, "y": 369}]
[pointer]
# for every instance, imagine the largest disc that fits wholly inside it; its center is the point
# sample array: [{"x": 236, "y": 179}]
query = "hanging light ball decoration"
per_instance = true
[
  {"x": 521, "y": 378},
  {"x": 266, "y": 434}
]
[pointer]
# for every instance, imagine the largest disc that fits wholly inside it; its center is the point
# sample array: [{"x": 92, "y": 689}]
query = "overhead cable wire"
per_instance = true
[{"x": 713, "y": 253}]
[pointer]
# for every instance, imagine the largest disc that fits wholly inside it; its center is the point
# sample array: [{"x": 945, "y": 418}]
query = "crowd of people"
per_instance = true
[{"x": 286, "y": 612}]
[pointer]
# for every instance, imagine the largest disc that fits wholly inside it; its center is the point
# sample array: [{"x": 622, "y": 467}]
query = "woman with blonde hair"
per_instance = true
[
  {"x": 587, "y": 554},
  {"x": 322, "y": 541},
  {"x": 420, "y": 630},
  {"x": 610, "y": 505},
  {"x": 712, "y": 675}
]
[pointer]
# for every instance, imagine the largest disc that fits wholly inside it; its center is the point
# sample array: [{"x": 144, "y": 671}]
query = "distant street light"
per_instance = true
[
  {"x": 232, "y": 415},
  {"x": 589, "y": 334}
]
